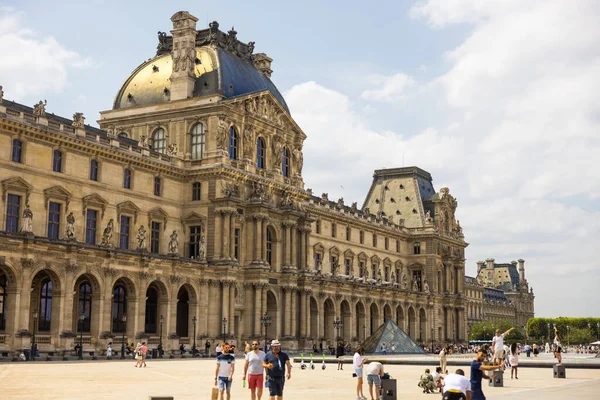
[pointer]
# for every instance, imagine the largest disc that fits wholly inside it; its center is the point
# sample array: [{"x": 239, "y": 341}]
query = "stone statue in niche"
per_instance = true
[
  {"x": 39, "y": 109},
  {"x": 70, "y": 230},
  {"x": 426, "y": 286},
  {"x": 248, "y": 142},
  {"x": 172, "y": 149},
  {"x": 379, "y": 277},
  {"x": 141, "y": 238},
  {"x": 393, "y": 278},
  {"x": 174, "y": 243},
  {"x": 222, "y": 133},
  {"x": 335, "y": 268},
  {"x": 27, "y": 224},
  {"x": 277, "y": 147},
  {"x": 298, "y": 160},
  {"x": 404, "y": 281},
  {"x": 201, "y": 251},
  {"x": 108, "y": 233},
  {"x": 428, "y": 219},
  {"x": 143, "y": 142},
  {"x": 78, "y": 120},
  {"x": 415, "y": 286}
]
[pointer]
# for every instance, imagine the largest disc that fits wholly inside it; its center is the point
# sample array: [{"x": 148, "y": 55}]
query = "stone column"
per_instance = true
[
  {"x": 218, "y": 253},
  {"x": 256, "y": 327},
  {"x": 225, "y": 306},
  {"x": 304, "y": 328},
  {"x": 305, "y": 250},
  {"x": 231, "y": 319},
  {"x": 232, "y": 217},
  {"x": 226, "y": 234},
  {"x": 263, "y": 241},
  {"x": 213, "y": 309},
  {"x": 203, "y": 295},
  {"x": 294, "y": 308},
  {"x": 293, "y": 246},
  {"x": 285, "y": 245},
  {"x": 257, "y": 238},
  {"x": 352, "y": 321}
]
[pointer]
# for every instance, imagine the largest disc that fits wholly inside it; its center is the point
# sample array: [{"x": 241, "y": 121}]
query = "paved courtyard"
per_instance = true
[{"x": 192, "y": 379}]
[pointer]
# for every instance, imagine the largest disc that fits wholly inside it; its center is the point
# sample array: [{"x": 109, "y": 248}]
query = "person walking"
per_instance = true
[
  {"x": 443, "y": 358},
  {"x": 374, "y": 374},
  {"x": 277, "y": 362},
  {"x": 498, "y": 345},
  {"x": 247, "y": 348},
  {"x": 528, "y": 350},
  {"x": 138, "y": 355},
  {"x": 219, "y": 349},
  {"x": 357, "y": 363},
  {"x": 477, "y": 369},
  {"x": 557, "y": 347},
  {"x": 224, "y": 372},
  {"x": 144, "y": 353},
  {"x": 339, "y": 353},
  {"x": 456, "y": 386},
  {"x": 109, "y": 351},
  {"x": 253, "y": 367},
  {"x": 514, "y": 361}
]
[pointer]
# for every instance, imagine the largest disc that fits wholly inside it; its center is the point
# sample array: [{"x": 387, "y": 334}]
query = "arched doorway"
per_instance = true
[
  {"x": 374, "y": 318},
  {"x": 183, "y": 312},
  {"x": 3, "y": 297},
  {"x": 361, "y": 322},
  {"x": 272, "y": 331},
  {"x": 400, "y": 317},
  {"x": 156, "y": 298},
  {"x": 346, "y": 314},
  {"x": 328, "y": 318},
  {"x": 411, "y": 323},
  {"x": 45, "y": 300},
  {"x": 387, "y": 313},
  {"x": 314, "y": 319},
  {"x": 422, "y": 325}
]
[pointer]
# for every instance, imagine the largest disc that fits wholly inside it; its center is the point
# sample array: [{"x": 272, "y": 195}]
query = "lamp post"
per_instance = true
[
  {"x": 338, "y": 324},
  {"x": 265, "y": 321},
  {"x": 432, "y": 339},
  {"x": 124, "y": 321},
  {"x": 35, "y": 317},
  {"x": 160, "y": 345},
  {"x": 194, "y": 320},
  {"x": 224, "y": 322},
  {"x": 81, "y": 319}
]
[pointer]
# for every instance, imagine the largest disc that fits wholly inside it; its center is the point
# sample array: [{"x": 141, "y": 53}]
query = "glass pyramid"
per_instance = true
[{"x": 390, "y": 334}]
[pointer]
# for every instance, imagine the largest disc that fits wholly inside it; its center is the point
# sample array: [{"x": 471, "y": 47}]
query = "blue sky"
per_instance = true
[{"x": 497, "y": 99}]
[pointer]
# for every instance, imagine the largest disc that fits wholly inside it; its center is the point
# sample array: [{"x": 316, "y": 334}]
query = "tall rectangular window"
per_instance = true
[
  {"x": 348, "y": 233},
  {"x": 155, "y": 238},
  {"x": 362, "y": 237},
  {"x": 333, "y": 230},
  {"x": 374, "y": 272},
  {"x": 417, "y": 278},
  {"x": 333, "y": 262},
  {"x": 317, "y": 260},
  {"x": 13, "y": 213},
  {"x": 348, "y": 266},
  {"x": 91, "y": 226},
  {"x": 156, "y": 186},
  {"x": 417, "y": 248},
  {"x": 318, "y": 227},
  {"x": 374, "y": 240},
  {"x": 196, "y": 191},
  {"x": 124, "y": 232},
  {"x": 386, "y": 243},
  {"x": 127, "y": 178},
  {"x": 195, "y": 238},
  {"x": 361, "y": 269},
  {"x": 17, "y": 150},
  {"x": 94, "y": 170},
  {"x": 57, "y": 161},
  {"x": 397, "y": 246},
  {"x": 236, "y": 244},
  {"x": 54, "y": 220}
]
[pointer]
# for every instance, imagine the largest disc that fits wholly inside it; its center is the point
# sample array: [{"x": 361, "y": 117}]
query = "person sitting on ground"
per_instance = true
[
  {"x": 456, "y": 386},
  {"x": 438, "y": 378},
  {"x": 426, "y": 382}
]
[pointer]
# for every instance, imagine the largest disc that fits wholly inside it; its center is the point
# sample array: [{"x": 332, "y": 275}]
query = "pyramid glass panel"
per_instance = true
[{"x": 390, "y": 334}]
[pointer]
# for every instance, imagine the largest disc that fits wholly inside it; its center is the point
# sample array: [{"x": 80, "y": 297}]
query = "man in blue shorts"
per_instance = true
[
  {"x": 224, "y": 372},
  {"x": 276, "y": 362}
]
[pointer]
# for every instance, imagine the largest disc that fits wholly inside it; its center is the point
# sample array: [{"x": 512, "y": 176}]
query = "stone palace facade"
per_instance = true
[{"x": 185, "y": 214}]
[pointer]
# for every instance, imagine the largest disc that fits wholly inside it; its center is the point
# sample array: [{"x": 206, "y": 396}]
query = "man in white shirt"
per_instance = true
[
  {"x": 374, "y": 374},
  {"x": 456, "y": 386},
  {"x": 255, "y": 370},
  {"x": 498, "y": 345}
]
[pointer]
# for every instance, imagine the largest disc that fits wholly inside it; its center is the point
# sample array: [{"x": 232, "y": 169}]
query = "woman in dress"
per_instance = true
[{"x": 514, "y": 361}]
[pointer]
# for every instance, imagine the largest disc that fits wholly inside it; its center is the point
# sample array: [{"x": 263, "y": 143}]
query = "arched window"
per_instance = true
[
  {"x": 2, "y": 302},
  {"x": 158, "y": 141},
  {"x": 119, "y": 308},
  {"x": 260, "y": 153},
  {"x": 198, "y": 141},
  {"x": 285, "y": 163},
  {"x": 45, "y": 305},
  {"x": 183, "y": 299},
  {"x": 85, "y": 305},
  {"x": 269, "y": 246},
  {"x": 151, "y": 310},
  {"x": 233, "y": 144}
]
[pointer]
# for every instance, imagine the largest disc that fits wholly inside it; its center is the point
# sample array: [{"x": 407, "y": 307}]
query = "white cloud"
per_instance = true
[
  {"x": 518, "y": 145},
  {"x": 32, "y": 64},
  {"x": 389, "y": 88}
]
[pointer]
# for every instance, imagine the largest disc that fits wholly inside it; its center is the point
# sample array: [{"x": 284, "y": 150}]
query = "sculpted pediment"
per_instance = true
[
  {"x": 334, "y": 250},
  {"x": 375, "y": 259},
  {"x": 363, "y": 256},
  {"x": 128, "y": 207},
  {"x": 349, "y": 253},
  {"x": 16, "y": 184},
  {"x": 159, "y": 214},
  {"x": 57, "y": 193},
  {"x": 318, "y": 248},
  {"x": 387, "y": 261},
  {"x": 94, "y": 200}
]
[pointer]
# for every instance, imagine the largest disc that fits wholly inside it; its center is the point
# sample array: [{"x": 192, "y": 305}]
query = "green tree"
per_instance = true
[{"x": 485, "y": 330}]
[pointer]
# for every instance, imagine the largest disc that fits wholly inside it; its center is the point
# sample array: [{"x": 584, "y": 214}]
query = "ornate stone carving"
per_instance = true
[
  {"x": 174, "y": 243},
  {"x": 172, "y": 149},
  {"x": 141, "y": 238},
  {"x": 108, "y": 233},
  {"x": 298, "y": 159},
  {"x": 175, "y": 279},
  {"x": 27, "y": 224},
  {"x": 110, "y": 132},
  {"x": 338, "y": 296},
  {"x": 259, "y": 191},
  {"x": 213, "y": 33},
  {"x": 249, "y": 142},
  {"x": 222, "y": 127},
  {"x": 428, "y": 219},
  {"x": 286, "y": 200},
  {"x": 163, "y": 46},
  {"x": 143, "y": 142},
  {"x": 27, "y": 263},
  {"x": 425, "y": 286},
  {"x": 39, "y": 109},
  {"x": 340, "y": 202},
  {"x": 70, "y": 230},
  {"x": 145, "y": 275},
  {"x": 230, "y": 190},
  {"x": 78, "y": 120},
  {"x": 110, "y": 271},
  {"x": 366, "y": 211},
  {"x": 71, "y": 267},
  {"x": 415, "y": 286},
  {"x": 404, "y": 281}
]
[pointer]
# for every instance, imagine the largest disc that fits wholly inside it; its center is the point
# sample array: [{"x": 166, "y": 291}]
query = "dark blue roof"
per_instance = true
[
  {"x": 239, "y": 77},
  {"x": 494, "y": 294}
]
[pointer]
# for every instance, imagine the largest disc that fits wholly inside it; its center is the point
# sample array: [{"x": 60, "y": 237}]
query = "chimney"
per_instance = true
[
  {"x": 262, "y": 62},
  {"x": 521, "y": 270},
  {"x": 490, "y": 269},
  {"x": 480, "y": 265},
  {"x": 183, "y": 77}
]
